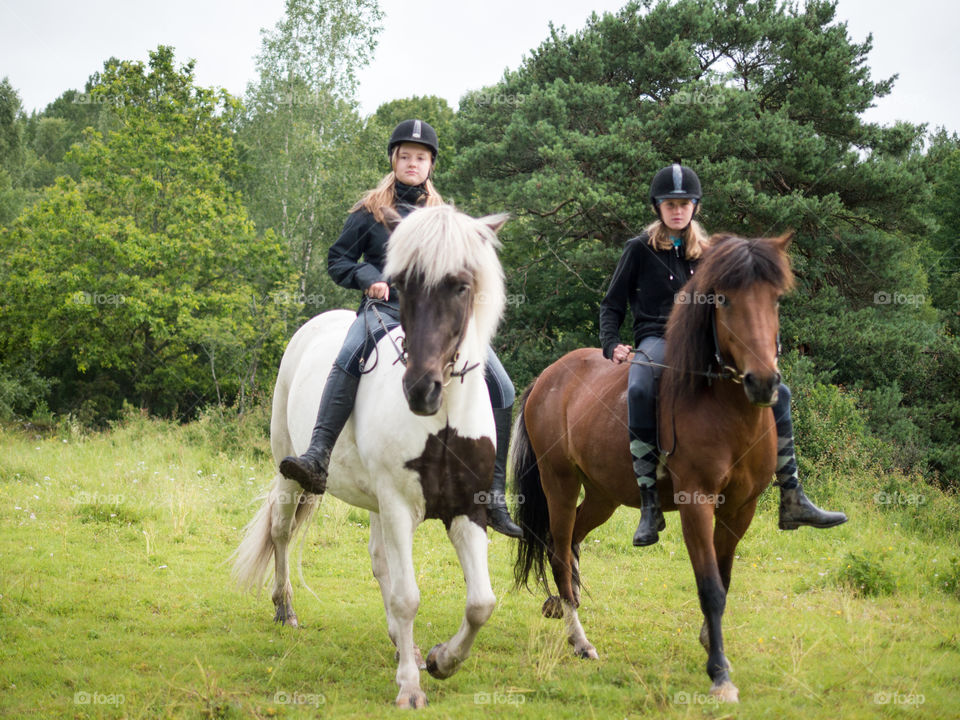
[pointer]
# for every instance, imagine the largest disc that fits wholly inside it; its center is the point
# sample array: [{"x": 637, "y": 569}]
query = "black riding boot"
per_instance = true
[
  {"x": 795, "y": 507},
  {"x": 651, "y": 518},
  {"x": 796, "y": 510},
  {"x": 645, "y": 458},
  {"x": 498, "y": 517},
  {"x": 310, "y": 469}
]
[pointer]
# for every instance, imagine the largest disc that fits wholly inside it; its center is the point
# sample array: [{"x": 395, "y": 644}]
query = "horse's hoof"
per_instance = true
[
  {"x": 552, "y": 607},
  {"x": 587, "y": 653},
  {"x": 433, "y": 663},
  {"x": 725, "y": 692},
  {"x": 412, "y": 700},
  {"x": 286, "y": 618}
]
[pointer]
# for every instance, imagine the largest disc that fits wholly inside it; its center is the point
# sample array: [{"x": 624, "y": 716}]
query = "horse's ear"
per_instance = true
[
  {"x": 495, "y": 222},
  {"x": 391, "y": 218},
  {"x": 783, "y": 242}
]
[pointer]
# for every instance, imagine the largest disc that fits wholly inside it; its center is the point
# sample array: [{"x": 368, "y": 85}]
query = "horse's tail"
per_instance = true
[
  {"x": 533, "y": 516},
  {"x": 251, "y": 559}
]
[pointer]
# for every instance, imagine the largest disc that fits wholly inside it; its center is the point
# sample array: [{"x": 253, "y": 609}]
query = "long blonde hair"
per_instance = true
[
  {"x": 383, "y": 195},
  {"x": 695, "y": 238}
]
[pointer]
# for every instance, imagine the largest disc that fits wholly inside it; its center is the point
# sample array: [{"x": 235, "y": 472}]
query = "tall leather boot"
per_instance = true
[
  {"x": 310, "y": 469},
  {"x": 795, "y": 507},
  {"x": 498, "y": 517},
  {"x": 645, "y": 458}
]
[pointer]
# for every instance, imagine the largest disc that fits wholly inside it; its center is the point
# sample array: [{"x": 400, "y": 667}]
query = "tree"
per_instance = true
[
  {"x": 306, "y": 153},
  {"x": 765, "y": 102},
  {"x": 145, "y": 280}
]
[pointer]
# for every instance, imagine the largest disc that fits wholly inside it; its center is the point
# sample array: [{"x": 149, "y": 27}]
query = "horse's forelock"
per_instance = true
[{"x": 433, "y": 243}]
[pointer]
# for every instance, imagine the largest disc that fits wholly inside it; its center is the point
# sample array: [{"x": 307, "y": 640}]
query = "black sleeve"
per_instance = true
[
  {"x": 343, "y": 259},
  {"x": 614, "y": 306}
]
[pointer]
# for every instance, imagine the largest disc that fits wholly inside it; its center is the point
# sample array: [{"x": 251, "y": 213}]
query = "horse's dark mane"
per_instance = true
[{"x": 730, "y": 263}]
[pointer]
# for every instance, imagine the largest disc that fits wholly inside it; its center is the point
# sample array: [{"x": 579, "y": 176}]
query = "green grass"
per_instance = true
[{"x": 115, "y": 601}]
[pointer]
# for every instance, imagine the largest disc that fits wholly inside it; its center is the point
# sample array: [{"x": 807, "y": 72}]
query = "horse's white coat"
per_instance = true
[{"x": 368, "y": 470}]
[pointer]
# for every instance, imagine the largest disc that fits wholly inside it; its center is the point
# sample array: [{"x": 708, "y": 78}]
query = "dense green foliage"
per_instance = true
[
  {"x": 143, "y": 281},
  {"x": 166, "y": 257},
  {"x": 764, "y": 101}
]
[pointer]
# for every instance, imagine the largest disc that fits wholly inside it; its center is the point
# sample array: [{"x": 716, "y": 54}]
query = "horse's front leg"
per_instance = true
[
  {"x": 403, "y": 596},
  {"x": 697, "y": 522},
  {"x": 381, "y": 571},
  {"x": 470, "y": 541},
  {"x": 284, "y": 497}
]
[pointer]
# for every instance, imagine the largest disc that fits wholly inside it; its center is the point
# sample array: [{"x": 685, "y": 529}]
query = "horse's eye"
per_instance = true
[
  {"x": 722, "y": 301},
  {"x": 464, "y": 288}
]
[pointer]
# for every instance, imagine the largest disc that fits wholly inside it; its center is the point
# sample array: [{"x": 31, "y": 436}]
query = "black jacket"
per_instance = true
[
  {"x": 362, "y": 236},
  {"x": 647, "y": 280}
]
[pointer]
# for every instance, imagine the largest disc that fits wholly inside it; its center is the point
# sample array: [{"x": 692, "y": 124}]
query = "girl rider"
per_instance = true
[
  {"x": 653, "y": 268},
  {"x": 412, "y": 151}
]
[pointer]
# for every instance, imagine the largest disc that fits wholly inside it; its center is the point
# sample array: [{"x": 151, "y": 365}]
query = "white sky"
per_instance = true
[{"x": 428, "y": 47}]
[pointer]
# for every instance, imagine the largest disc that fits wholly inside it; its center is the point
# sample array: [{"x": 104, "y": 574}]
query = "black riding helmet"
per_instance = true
[
  {"x": 414, "y": 131},
  {"x": 675, "y": 181}
]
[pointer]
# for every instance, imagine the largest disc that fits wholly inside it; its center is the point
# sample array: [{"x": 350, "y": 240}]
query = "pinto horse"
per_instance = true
[
  {"x": 416, "y": 446},
  {"x": 717, "y": 437}
]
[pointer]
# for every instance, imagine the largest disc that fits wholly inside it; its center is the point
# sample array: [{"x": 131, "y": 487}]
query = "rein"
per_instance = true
[{"x": 449, "y": 370}]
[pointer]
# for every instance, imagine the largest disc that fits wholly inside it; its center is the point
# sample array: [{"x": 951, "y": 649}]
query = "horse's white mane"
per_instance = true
[{"x": 438, "y": 241}]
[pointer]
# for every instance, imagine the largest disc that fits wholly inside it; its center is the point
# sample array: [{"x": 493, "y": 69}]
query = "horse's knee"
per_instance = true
[{"x": 404, "y": 604}]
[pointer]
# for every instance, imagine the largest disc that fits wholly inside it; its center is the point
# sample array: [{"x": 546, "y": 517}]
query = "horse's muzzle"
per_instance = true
[
  {"x": 423, "y": 390},
  {"x": 761, "y": 390}
]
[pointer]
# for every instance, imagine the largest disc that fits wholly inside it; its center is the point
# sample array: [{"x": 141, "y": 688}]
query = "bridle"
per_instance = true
[{"x": 449, "y": 370}]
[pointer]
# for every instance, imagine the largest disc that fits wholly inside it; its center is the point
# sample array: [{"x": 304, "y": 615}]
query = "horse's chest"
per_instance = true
[{"x": 455, "y": 474}]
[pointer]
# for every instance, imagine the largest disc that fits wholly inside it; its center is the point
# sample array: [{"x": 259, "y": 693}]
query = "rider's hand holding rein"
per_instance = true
[
  {"x": 621, "y": 353},
  {"x": 378, "y": 291}
]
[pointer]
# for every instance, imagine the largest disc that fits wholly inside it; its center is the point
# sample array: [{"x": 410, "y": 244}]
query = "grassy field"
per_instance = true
[{"x": 115, "y": 601}]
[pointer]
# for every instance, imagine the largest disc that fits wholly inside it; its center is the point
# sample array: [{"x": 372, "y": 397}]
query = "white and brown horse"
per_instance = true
[{"x": 417, "y": 445}]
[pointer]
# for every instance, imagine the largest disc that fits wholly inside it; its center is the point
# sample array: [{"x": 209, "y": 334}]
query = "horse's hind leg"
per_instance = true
[
  {"x": 470, "y": 541},
  {"x": 563, "y": 561},
  {"x": 381, "y": 572},
  {"x": 285, "y": 498}
]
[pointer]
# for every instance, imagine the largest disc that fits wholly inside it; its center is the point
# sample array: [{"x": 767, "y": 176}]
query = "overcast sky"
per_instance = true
[{"x": 428, "y": 47}]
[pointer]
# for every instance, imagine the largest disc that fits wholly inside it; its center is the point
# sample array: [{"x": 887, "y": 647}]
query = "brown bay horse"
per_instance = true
[{"x": 717, "y": 435}]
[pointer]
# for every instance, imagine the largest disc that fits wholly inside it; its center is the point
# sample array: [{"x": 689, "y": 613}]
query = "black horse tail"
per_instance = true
[{"x": 533, "y": 516}]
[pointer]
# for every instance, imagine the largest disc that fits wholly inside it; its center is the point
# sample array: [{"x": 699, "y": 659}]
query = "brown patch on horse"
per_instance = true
[{"x": 456, "y": 474}]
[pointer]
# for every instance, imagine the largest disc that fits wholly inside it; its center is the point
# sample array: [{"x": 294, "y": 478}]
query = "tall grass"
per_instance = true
[{"x": 115, "y": 599}]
